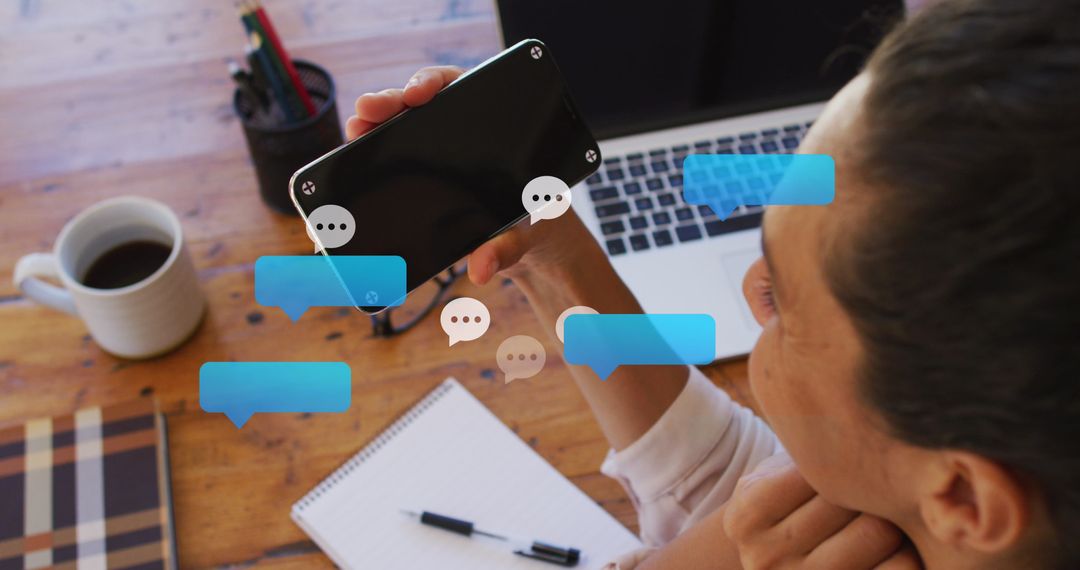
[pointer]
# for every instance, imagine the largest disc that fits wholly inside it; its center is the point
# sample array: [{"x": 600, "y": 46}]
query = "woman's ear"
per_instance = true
[
  {"x": 756, "y": 287},
  {"x": 973, "y": 503}
]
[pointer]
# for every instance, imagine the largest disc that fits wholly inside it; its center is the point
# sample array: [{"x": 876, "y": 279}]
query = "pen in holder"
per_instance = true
[{"x": 279, "y": 148}]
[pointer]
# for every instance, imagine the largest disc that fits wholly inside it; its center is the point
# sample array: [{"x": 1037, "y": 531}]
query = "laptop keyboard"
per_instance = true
[{"x": 638, "y": 197}]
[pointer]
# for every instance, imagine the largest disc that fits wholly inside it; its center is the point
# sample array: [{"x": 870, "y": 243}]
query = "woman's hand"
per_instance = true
[
  {"x": 777, "y": 521},
  {"x": 556, "y": 264},
  {"x": 550, "y": 246},
  {"x": 375, "y": 108}
]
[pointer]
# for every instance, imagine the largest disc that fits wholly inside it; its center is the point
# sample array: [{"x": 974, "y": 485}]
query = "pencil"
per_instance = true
[
  {"x": 290, "y": 69},
  {"x": 277, "y": 68}
]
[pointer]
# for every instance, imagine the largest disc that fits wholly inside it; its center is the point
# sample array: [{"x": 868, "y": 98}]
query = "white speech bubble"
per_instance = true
[
  {"x": 464, "y": 319},
  {"x": 575, "y": 310},
  {"x": 545, "y": 198},
  {"x": 520, "y": 356},
  {"x": 333, "y": 225}
]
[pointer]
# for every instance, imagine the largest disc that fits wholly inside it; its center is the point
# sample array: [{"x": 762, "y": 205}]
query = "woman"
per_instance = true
[{"x": 919, "y": 357}]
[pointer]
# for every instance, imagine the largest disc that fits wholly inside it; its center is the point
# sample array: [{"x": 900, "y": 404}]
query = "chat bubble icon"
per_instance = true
[
  {"x": 545, "y": 198},
  {"x": 330, "y": 226},
  {"x": 520, "y": 356},
  {"x": 241, "y": 389},
  {"x": 576, "y": 310},
  {"x": 464, "y": 319},
  {"x": 723, "y": 182},
  {"x": 605, "y": 342},
  {"x": 298, "y": 282}
]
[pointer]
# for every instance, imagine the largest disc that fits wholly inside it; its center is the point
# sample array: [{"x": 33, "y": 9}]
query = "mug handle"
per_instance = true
[{"x": 35, "y": 265}]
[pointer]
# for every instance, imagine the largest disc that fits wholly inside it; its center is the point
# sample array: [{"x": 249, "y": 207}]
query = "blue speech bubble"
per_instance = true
[
  {"x": 724, "y": 182},
  {"x": 297, "y": 282},
  {"x": 605, "y": 342},
  {"x": 240, "y": 389}
]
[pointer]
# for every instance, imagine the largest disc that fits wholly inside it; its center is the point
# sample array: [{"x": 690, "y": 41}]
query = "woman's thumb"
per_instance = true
[{"x": 493, "y": 256}]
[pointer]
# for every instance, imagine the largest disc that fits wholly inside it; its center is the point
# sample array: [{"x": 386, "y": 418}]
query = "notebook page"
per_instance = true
[{"x": 454, "y": 458}]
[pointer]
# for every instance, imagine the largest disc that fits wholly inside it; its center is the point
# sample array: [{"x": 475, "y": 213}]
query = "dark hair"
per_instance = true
[{"x": 962, "y": 276}]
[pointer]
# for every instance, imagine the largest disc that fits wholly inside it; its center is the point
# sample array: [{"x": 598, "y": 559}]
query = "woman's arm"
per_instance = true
[{"x": 562, "y": 266}]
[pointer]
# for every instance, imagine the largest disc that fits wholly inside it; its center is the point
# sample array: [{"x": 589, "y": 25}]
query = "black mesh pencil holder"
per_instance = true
[{"x": 278, "y": 149}]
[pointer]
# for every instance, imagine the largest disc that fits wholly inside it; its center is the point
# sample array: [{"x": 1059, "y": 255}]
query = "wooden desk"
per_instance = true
[{"x": 103, "y": 98}]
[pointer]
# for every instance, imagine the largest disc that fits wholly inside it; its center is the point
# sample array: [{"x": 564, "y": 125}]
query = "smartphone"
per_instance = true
[{"x": 436, "y": 181}]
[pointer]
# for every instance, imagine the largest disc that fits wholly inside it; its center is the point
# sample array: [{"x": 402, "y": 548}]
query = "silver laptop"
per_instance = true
[{"x": 659, "y": 80}]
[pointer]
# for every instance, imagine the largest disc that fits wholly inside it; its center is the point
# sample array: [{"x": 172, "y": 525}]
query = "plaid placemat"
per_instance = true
[{"x": 89, "y": 490}]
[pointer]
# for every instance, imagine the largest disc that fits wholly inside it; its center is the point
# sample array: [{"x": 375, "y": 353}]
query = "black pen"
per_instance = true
[
  {"x": 537, "y": 550},
  {"x": 245, "y": 82}
]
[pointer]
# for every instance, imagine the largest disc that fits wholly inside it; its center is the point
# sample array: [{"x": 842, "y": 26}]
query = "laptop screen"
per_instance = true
[{"x": 635, "y": 66}]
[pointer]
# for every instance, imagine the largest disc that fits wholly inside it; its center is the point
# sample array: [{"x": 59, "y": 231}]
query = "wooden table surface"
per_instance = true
[{"x": 100, "y": 98}]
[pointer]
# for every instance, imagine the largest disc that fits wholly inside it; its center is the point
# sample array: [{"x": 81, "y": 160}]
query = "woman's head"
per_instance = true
[{"x": 922, "y": 357}]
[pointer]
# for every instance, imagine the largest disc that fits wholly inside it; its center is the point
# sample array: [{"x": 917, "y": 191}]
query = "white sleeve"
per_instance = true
[{"x": 688, "y": 462}]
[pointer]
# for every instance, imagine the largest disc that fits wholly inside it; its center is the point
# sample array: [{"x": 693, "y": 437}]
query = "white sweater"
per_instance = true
[{"x": 687, "y": 464}]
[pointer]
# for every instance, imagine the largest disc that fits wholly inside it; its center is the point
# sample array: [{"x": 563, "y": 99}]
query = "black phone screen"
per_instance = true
[{"x": 437, "y": 181}]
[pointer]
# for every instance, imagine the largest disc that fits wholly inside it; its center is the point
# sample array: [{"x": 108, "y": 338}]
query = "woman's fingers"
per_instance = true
[
  {"x": 813, "y": 523},
  {"x": 375, "y": 108},
  {"x": 372, "y": 109},
  {"x": 766, "y": 496},
  {"x": 355, "y": 126},
  {"x": 493, "y": 256},
  {"x": 427, "y": 82},
  {"x": 378, "y": 107},
  {"x": 483, "y": 264},
  {"x": 903, "y": 559},
  {"x": 864, "y": 543}
]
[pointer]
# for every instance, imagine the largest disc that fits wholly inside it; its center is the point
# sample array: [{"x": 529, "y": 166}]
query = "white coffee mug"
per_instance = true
[{"x": 141, "y": 320}]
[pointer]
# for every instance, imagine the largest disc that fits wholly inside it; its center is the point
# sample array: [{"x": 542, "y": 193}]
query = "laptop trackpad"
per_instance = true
[{"x": 735, "y": 266}]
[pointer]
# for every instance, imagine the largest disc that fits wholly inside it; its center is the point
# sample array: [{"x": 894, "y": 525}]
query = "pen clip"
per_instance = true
[{"x": 552, "y": 554}]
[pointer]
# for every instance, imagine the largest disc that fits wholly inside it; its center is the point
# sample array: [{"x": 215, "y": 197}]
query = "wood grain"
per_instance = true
[{"x": 109, "y": 97}]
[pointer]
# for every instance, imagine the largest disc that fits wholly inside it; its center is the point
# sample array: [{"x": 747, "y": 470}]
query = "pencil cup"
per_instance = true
[{"x": 278, "y": 149}]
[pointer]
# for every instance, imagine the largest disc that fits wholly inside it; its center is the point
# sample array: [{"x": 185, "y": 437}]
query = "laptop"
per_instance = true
[{"x": 657, "y": 81}]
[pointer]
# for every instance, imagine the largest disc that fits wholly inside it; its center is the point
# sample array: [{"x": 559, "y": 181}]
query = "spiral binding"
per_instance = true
[{"x": 370, "y": 450}]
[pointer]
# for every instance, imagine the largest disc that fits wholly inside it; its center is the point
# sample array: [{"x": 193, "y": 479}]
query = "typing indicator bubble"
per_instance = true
[
  {"x": 297, "y": 282},
  {"x": 464, "y": 319},
  {"x": 332, "y": 225},
  {"x": 605, "y": 342},
  {"x": 520, "y": 356},
  {"x": 575, "y": 310},
  {"x": 545, "y": 198},
  {"x": 240, "y": 389},
  {"x": 723, "y": 182}
]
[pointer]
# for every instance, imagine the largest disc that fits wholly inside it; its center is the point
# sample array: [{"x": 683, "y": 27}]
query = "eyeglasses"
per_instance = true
[{"x": 419, "y": 303}]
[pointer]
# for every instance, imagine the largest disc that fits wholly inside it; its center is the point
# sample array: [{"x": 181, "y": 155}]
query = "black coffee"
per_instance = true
[{"x": 126, "y": 264}]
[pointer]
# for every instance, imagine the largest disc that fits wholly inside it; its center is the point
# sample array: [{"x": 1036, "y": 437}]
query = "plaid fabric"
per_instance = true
[{"x": 88, "y": 490}]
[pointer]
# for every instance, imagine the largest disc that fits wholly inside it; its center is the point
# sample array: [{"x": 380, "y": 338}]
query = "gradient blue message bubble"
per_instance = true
[
  {"x": 240, "y": 389},
  {"x": 605, "y": 342},
  {"x": 298, "y": 282},
  {"x": 724, "y": 182}
]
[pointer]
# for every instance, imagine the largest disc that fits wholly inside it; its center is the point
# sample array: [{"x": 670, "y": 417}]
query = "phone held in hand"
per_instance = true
[{"x": 436, "y": 181}]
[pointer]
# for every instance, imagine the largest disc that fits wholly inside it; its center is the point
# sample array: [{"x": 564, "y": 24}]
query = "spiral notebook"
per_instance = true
[{"x": 450, "y": 455}]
